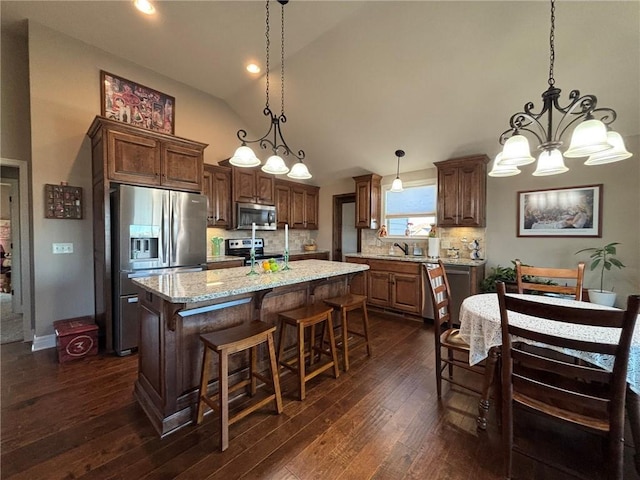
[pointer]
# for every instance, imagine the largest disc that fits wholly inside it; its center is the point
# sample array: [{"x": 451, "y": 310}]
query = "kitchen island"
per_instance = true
[{"x": 175, "y": 309}]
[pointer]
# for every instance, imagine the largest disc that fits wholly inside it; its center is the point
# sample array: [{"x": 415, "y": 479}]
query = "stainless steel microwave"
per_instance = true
[{"x": 264, "y": 216}]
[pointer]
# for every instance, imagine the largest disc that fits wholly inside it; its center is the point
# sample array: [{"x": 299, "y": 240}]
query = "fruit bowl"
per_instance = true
[{"x": 269, "y": 266}]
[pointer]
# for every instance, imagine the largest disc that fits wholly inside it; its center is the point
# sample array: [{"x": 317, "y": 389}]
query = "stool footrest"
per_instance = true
[{"x": 252, "y": 408}]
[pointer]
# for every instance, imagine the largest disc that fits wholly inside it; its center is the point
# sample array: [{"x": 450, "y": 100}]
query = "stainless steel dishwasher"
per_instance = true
[{"x": 460, "y": 284}]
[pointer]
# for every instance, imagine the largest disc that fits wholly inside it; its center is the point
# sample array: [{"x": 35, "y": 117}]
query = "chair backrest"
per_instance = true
[
  {"x": 574, "y": 274},
  {"x": 575, "y": 391},
  {"x": 440, "y": 296}
]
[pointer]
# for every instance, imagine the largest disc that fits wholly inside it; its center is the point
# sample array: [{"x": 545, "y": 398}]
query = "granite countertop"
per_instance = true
[
  {"x": 226, "y": 282},
  {"x": 222, "y": 258},
  {"x": 416, "y": 259}
]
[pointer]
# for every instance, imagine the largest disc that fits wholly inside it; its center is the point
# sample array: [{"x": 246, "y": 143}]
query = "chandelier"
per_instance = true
[
  {"x": 273, "y": 139},
  {"x": 592, "y": 137}
]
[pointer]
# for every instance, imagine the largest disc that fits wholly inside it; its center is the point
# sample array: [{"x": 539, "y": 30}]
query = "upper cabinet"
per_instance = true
[
  {"x": 368, "y": 201},
  {"x": 251, "y": 185},
  {"x": 217, "y": 188},
  {"x": 297, "y": 204},
  {"x": 462, "y": 187},
  {"x": 132, "y": 155}
]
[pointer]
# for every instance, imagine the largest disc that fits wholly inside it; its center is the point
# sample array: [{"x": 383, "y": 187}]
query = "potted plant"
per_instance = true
[
  {"x": 604, "y": 258},
  {"x": 508, "y": 276}
]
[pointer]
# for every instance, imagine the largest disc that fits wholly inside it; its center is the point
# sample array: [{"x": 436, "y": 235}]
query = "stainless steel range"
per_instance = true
[{"x": 241, "y": 247}]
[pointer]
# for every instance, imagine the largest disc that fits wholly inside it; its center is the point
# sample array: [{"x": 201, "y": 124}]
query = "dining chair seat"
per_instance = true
[{"x": 451, "y": 339}]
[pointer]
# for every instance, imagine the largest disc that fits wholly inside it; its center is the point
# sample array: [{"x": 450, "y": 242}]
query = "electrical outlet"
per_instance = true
[{"x": 59, "y": 248}]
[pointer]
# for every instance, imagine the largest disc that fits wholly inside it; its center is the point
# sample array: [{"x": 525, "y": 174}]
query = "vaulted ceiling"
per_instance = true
[{"x": 438, "y": 79}]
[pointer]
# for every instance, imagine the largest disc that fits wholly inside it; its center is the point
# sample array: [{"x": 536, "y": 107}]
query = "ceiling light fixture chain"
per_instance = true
[
  {"x": 592, "y": 136},
  {"x": 244, "y": 155}
]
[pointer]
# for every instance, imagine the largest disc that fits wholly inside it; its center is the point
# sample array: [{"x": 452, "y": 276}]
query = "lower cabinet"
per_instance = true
[
  {"x": 390, "y": 284},
  {"x": 225, "y": 264},
  {"x": 309, "y": 256}
]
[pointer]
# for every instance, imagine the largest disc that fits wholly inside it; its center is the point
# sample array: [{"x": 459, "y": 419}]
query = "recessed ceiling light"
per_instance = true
[
  {"x": 145, "y": 6},
  {"x": 253, "y": 68}
]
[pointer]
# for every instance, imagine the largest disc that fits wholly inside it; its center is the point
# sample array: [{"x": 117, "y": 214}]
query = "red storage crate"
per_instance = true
[{"x": 76, "y": 338}]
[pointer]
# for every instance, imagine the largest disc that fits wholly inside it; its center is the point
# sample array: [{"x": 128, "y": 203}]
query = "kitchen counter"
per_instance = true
[
  {"x": 214, "y": 284},
  {"x": 176, "y": 309},
  {"x": 411, "y": 258}
]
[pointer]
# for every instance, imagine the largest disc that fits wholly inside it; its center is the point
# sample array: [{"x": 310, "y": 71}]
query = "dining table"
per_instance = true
[{"x": 480, "y": 327}]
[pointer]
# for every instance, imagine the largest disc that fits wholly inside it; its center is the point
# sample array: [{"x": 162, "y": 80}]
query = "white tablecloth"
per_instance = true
[{"x": 480, "y": 327}]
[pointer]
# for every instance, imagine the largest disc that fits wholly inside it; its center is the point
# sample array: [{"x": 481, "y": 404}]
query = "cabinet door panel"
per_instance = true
[
  {"x": 133, "y": 159},
  {"x": 447, "y": 196},
  {"x": 405, "y": 292},
  {"x": 311, "y": 209},
  {"x": 363, "y": 202},
  {"x": 470, "y": 206},
  {"x": 283, "y": 204},
  {"x": 181, "y": 167},
  {"x": 298, "y": 207},
  {"x": 264, "y": 188},
  {"x": 244, "y": 185},
  {"x": 222, "y": 199},
  {"x": 378, "y": 288}
]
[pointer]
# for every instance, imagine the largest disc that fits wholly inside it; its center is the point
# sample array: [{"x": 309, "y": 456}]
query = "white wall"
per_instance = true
[
  {"x": 65, "y": 97},
  {"x": 620, "y": 220}
]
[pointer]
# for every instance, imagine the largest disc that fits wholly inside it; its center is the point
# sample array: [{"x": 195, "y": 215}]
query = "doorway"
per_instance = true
[
  {"x": 15, "y": 286},
  {"x": 346, "y": 238}
]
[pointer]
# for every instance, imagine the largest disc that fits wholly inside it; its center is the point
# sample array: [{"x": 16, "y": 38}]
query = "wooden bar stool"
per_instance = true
[
  {"x": 224, "y": 343},
  {"x": 342, "y": 305},
  {"x": 301, "y": 318}
]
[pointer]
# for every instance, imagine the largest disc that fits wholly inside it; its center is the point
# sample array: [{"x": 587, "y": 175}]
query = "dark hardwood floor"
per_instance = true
[{"x": 380, "y": 420}]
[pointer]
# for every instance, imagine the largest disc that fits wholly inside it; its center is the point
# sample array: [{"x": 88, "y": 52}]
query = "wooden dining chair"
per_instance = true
[
  {"x": 559, "y": 387},
  {"x": 575, "y": 275},
  {"x": 447, "y": 335}
]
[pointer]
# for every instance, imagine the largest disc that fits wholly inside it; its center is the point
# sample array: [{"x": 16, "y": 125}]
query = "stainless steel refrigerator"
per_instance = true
[{"x": 154, "y": 232}]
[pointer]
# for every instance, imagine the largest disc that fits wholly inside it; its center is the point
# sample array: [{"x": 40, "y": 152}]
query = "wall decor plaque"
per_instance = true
[
  {"x": 135, "y": 104},
  {"x": 63, "y": 202}
]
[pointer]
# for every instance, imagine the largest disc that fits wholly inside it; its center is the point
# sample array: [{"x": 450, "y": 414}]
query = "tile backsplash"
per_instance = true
[
  {"x": 273, "y": 240},
  {"x": 450, "y": 238}
]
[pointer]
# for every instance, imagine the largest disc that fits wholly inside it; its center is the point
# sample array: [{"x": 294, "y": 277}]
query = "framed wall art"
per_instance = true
[
  {"x": 135, "y": 104},
  {"x": 63, "y": 202},
  {"x": 561, "y": 212}
]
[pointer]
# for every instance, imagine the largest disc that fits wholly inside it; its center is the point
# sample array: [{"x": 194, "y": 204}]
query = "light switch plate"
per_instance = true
[{"x": 59, "y": 248}]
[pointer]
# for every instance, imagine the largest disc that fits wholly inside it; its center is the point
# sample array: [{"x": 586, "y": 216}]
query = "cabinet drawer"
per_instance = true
[
  {"x": 395, "y": 267},
  {"x": 363, "y": 261}
]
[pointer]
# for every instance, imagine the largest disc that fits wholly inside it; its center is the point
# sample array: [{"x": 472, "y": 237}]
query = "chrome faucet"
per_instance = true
[{"x": 405, "y": 249}]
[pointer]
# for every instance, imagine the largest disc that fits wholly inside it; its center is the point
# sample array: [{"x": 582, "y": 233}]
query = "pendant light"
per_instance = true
[
  {"x": 396, "y": 186},
  {"x": 501, "y": 169},
  {"x": 273, "y": 139},
  {"x": 590, "y": 137}
]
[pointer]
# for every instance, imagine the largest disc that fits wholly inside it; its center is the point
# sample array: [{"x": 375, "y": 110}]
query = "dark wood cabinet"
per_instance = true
[
  {"x": 368, "y": 197},
  {"x": 217, "y": 188},
  {"x": 297, "y": 204},
  {"x": 304, "y": 207},
  {"x": 251, "y": 185},
  {"x": 462, "y": 191},
  {"x": 309, "y": 256},
  {"x": 283, "y": 203},
  {"x": 225, "y": 264},
  {"x": 121, "y": 153},
  {"x": 136, "y": 156},
  {"x": 390, "y": 284}
]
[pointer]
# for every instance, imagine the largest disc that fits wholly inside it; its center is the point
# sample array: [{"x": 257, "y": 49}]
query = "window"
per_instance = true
[{"x": 414, "y": 208}]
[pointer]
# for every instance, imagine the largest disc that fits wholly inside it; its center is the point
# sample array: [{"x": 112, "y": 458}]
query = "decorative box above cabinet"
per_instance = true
[
  {"x": 462, "y": 191},
  {"x": 217, "y": 188},
  {"x": 368, "y": 201},
  {"x": 133, "y": 155}
]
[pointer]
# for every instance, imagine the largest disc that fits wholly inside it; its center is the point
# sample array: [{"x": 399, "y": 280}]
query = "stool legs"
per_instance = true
[
  {"x": 344, "y": 327},
  {"x": 204, "y": 377},
  {"x": 223, "y": 398},
  {"x": 275, "y": 376}
]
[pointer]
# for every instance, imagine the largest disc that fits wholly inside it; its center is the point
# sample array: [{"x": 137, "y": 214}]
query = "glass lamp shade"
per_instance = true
[
  {"x": 589, "y": 137},
  {"x": 299, "y": 171},
  {"x": 396, "y": 186},
  {"x": 499, "y": 169},
  {"x": 244, "y": 157},
  {"x": 516, "y": 151},
  {"x": 550, "y": 162},
  {"x": 275, "y": 165},
  {"x": 615, "y": 154}
]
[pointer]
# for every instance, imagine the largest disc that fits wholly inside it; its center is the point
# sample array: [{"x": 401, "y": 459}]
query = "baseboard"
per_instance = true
[{"x": 44, "y": 342}]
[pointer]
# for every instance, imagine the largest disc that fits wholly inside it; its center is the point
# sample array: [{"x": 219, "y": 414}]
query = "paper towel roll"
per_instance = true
[{"x": 434, "y": 247}]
